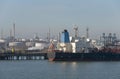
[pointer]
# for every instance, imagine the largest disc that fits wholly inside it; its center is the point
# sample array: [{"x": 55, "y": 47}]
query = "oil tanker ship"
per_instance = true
[{"x": 85, "y": 49}]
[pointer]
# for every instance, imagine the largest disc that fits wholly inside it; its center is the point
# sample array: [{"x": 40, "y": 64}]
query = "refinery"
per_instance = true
[{"x": 22, "y": 45}]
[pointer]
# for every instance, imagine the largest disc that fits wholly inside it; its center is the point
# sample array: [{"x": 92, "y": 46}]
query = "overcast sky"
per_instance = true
[{"x": 37, "y": 16}]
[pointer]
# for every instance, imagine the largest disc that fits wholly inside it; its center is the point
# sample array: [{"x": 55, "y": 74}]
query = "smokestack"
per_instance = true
[
  {"x": 1, "y": 33},
  {"x": 87, "y": 32},
  {"x": 10, "y": 33}
]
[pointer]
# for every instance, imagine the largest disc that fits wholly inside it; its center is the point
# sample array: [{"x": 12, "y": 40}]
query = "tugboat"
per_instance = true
[{"x": 84, "y": 49}]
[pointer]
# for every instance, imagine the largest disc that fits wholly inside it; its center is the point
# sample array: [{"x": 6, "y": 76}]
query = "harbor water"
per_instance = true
[{"x": 43, "y": 69}]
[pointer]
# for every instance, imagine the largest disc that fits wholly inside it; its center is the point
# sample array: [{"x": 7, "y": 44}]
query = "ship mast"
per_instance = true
[{"x": 76, "y": 31}]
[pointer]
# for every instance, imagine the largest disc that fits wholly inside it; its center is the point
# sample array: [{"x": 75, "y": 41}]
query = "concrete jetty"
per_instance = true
[{"x": 23, "y": 56}]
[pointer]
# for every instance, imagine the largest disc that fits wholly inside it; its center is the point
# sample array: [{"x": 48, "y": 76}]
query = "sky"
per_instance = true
[{"x": 38, "y": 16}]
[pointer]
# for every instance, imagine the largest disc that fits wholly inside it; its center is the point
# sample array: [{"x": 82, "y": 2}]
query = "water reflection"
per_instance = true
[
  {"x": 59, "y": 70},
  {"x": 71, "y": 65}
]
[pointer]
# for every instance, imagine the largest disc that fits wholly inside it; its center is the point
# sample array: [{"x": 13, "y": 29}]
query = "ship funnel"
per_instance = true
[{"x": 65, "y": 37}]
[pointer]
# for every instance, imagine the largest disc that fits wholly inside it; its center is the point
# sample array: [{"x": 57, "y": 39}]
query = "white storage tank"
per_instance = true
[
  {"x": 16, "y": 44},
  {"x": 30, "y": 44},
  {"x": 38, "y": 46},
  {"x": 41, "y": 45},
  {"x": 2, "y": 41}
]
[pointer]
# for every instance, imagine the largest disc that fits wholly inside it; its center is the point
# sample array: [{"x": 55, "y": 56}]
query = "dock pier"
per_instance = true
[{"x": 23, "y": 56}]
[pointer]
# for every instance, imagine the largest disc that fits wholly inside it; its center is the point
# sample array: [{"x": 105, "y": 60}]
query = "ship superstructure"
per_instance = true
[{"x": 74, "y": 44}]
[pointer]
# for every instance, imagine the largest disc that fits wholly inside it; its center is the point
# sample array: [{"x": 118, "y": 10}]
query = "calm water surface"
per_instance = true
[{"x": 42, "y": 69}]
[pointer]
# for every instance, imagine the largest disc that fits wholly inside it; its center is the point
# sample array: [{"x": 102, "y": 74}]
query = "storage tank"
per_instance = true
[
  {"x": 2, "y": 43},
  {"x": 16, "y": 44},
  {"x": 30, "y": 44},
  {"x": 38, "y": 46},
  {"x": 41, "y": 45}
]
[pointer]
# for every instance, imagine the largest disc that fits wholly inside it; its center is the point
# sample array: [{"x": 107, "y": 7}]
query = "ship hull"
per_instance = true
[{"x": 107, "y": 56}]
